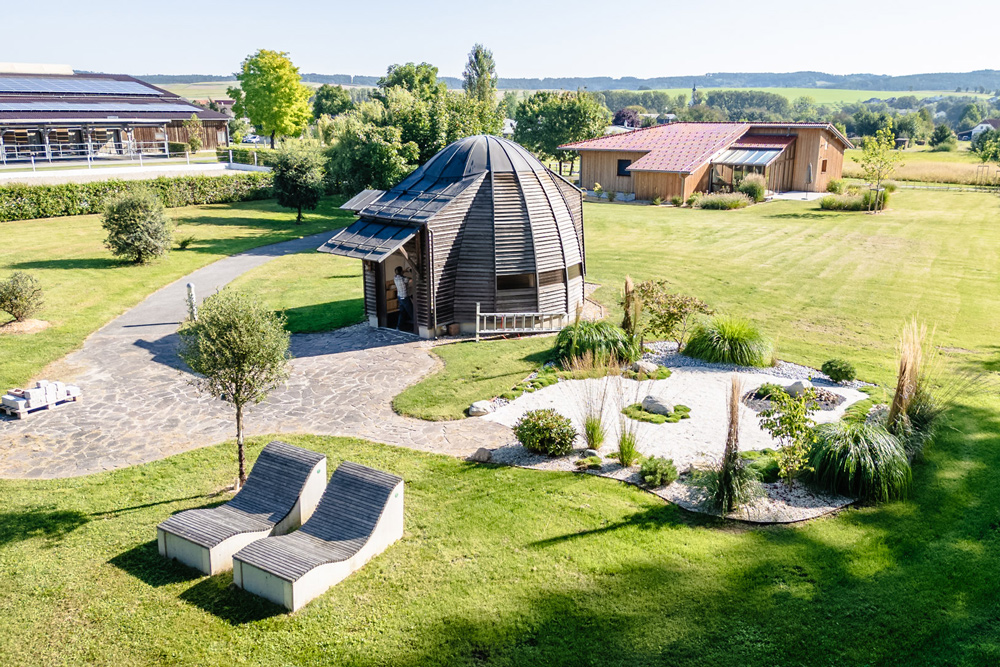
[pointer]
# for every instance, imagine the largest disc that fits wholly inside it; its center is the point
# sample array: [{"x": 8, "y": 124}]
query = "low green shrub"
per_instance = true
[
  {"x": 638, "y": 413},
  {"x": 860, "y": 460},
  {"x": 890, "y": 186},
  {"x": 590, "y": 463},
  {"x": 693, "y": 200},
  {"x": 20, "y": 296},
  {"x": 727, "y": 339},
  {"x": 837, "y": 186},
  {"x": 184, "y": 242},
  {"x": 545, "y": 432},
  {"x": 839, "y": 370},
  {"x": 656, "y": 201},
  {"x": 754, "y": 186},
  {"x": 603, "y": 340},
  {"x": 658, "y": 471},
  {"x": 768, "y": 389},
  {"x": 138, "y": 230},
  {"x": 611, "y": 195},
  {"x": 844, "y": 202},
  {"x": 661, "y": 373},
  {"x": 677, "y": 201},
  {"x": 176, "y": 147},
  {"x": 19, "y": 201},
  {"x": 764, "y": 464},
  {"x": 724, "y": 201}
]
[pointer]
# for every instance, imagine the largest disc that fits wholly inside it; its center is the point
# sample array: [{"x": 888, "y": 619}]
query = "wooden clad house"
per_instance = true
[
  {"x": 49, "y": 112},
  {"x": 679, "y": 159},
  {"x": 482, "y": 226}
]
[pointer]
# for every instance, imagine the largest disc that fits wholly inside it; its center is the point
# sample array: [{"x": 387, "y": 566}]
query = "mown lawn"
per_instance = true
[
  {"x": 821, "y": 284},
  {"x": 503, "y": 566},
  {"x": 316, "y": 291},
  {"x": 86, "y": 287}
]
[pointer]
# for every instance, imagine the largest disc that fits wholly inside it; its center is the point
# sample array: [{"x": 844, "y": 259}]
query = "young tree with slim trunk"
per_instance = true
[
  {"x": 194, "y": 131},
  {"x": 879, "y": 158},
  {"x": 240, "y": 350},
  {"x": 480, "y": 75},
  {"x": 271, "y": 94}
]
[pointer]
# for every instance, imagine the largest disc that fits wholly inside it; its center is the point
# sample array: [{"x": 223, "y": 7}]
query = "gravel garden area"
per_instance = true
[{"x": 691, "y": 443}]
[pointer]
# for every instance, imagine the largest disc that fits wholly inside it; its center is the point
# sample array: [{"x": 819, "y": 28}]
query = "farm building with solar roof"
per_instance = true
[
  {"x": 49, "y": 112},
  {"x": 679, "y": 159}
]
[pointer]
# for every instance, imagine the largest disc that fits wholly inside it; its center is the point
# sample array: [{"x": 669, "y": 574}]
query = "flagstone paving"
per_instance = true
[{"x": 138, "y": 404}]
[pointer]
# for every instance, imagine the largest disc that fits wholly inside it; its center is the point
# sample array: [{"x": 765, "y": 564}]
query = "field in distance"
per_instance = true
[{"x": 217, "y": 89}]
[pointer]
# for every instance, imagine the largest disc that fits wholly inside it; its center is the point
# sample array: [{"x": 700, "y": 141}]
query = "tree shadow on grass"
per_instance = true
[
  {"x": 322, "y": 317},
  {"x": 53, "y": 525},
  {"x": 220, "y": 597},
  {"x": 797, "y": 216},
  {"x": 70, "y": 263}
]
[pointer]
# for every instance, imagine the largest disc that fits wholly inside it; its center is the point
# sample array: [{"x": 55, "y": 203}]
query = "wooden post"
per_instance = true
[
  {"x": 48, "y": 147},
  {"x": 477, "y": 321},
  {"x": 166, "y": 142}
]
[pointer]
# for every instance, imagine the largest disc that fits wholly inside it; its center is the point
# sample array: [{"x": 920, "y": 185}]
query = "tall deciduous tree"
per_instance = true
[
  {"x": 298, "y": 178},
  {"x": 480, "y": 76},
  {"x": 331, "y": 101},
  {"x": 365, "y": 154},
  {"x": 240, "y": 350},
  {"x": 546, "y": 120},
  {"x": 271, "y": 94}
]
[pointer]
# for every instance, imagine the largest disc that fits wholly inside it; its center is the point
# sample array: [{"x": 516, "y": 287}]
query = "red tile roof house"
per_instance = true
[{"x": 679, "y": 159}]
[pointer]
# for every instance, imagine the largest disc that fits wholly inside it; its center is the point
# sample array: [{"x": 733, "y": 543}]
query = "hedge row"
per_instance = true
[
  {"x": 27, "y": 202},
  {"x": 265, "y": 156}
]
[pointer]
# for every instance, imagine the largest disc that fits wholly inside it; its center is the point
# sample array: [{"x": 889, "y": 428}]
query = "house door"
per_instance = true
[{"x": 389, "y": 310}]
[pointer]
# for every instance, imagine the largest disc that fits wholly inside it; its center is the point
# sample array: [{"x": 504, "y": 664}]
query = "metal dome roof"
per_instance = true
[{"x": 446, "y": 175}]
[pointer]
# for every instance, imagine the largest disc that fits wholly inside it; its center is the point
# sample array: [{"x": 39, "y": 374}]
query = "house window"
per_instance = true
[
  {"x": 575, "y": 271},
  {"x": 822, "y": 168},
  {"x": 519, "y": 281},
  {"x": 623, "y": 167}
]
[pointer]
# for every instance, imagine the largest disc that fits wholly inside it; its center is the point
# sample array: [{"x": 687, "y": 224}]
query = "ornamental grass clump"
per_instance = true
[
  {"x": 601, "y": 339},
  {"x": 592, "y": 395},
  {"x": 724, "y": 201},
  {"x": 730, "y": 484},
  {"x": 545, "y": 432},
  {"x": 754, "y": 186},
  {"x": 860, "y": 460},
  {"x": 727, "y": 339}
]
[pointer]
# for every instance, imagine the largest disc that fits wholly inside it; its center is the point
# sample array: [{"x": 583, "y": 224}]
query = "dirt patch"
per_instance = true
[{"x": 25, "y": 327}]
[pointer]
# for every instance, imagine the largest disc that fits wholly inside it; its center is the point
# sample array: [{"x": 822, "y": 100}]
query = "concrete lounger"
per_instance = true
[
  {"x": 280, "y": 494},
  {"x": 358, "y": 517}
]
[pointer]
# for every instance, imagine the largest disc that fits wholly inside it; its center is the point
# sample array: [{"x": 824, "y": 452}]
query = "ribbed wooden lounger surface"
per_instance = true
[
  {"x": 271, "y": 491},
  {"x": 341, "y": 525}
]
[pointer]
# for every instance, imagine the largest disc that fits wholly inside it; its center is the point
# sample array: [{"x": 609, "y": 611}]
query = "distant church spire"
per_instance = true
[{"x": 694, "y": 92}]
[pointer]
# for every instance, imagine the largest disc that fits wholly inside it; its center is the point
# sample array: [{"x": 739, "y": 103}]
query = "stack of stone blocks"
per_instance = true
[{"x": 44, "y": 394}]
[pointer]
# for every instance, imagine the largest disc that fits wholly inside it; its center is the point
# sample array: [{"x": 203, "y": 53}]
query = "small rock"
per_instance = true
[
  {"x": 587, "y": 453},
  {"x": 647, "y": 367},
  {"x": 657, "y": 406},
  {"x": 482, "y": 455},
  {"x": 480, "y": 408},
  {"x": 798, "y": 388}
]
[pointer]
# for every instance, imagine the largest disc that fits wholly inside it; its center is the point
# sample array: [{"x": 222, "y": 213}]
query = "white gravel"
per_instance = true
[{"x": 694, "y": 442}]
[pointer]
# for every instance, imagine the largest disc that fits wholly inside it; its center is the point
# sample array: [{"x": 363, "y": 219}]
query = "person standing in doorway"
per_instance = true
[{"x": 403, "y": 294}]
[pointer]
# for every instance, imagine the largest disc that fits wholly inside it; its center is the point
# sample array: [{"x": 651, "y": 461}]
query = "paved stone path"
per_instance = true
[{"x": 138, "y": 405}]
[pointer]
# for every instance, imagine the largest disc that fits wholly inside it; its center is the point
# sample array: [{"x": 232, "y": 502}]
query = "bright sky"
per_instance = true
[{"x": 528, "y": 38}]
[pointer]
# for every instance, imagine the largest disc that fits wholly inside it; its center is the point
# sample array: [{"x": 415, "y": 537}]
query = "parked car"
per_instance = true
[{"x": 253, "y": 139}]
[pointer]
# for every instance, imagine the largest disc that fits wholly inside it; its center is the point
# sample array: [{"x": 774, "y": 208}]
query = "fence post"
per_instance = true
[
  {"x": 255, "y": 158},
  {"x": 477, "y": 321},
  {"x": 191, "y": 303},
  {"x": 140, "y": 158},
  {"x": 230, "y": 156},
  {"x": 32, "y": 162},
  {"x": 187, "y": 155}
]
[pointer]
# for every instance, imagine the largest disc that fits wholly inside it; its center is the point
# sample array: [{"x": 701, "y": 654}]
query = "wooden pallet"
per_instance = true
[{"x": 21, "y": 414}]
